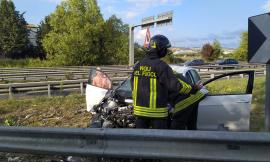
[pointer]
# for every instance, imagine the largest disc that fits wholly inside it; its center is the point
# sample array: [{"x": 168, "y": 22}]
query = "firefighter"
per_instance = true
[
  {"x": 154, "y": 85},
  {"x": 185, "y": 109}
]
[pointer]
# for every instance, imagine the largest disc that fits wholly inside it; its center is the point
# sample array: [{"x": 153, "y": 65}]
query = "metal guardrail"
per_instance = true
[
  {"x": 138, "y": 143},
  {"x": 79, "y": 85},
  {"x": 234, "y": 66},
  {"x": 81, "y": 72},
  {"x": 212, "y": 74},
  {"x": 47, "y": 87},
  {"x": 57, "y": 74}
]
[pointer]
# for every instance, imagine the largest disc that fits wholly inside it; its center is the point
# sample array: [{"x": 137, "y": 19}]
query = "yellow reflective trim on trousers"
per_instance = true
[
  {"x": 135, "y": 89},
  {"x": 188, "y": 101},
  {"x": 186, "y": 88}
]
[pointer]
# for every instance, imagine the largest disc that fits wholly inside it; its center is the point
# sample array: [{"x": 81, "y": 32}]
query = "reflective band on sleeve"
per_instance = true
[
  {"x": 188, "y": 101},
  {"x": 186, "y": 88}
]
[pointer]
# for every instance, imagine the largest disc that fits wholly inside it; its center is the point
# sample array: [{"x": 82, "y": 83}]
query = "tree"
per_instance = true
[
  {"x": 115, "y": 38},
  {"x": 241, "y": 52},
  {"x": 206, "y": 51},
  {"x": 75, "y": 35},
  {"x": 139, "y": 52},
  {"x": 43, "y": 29},
  {"x": 217, "y": 50},
  {"x": 211, "y": 52},
  {"x": 14, "y": 40}
]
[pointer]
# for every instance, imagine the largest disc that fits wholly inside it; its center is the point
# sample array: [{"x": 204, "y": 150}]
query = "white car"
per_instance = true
[{"x": 228, "y": 112}]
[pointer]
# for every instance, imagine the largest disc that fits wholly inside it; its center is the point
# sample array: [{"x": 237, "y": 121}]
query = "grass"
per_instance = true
[{"x": 69, "y": 111}]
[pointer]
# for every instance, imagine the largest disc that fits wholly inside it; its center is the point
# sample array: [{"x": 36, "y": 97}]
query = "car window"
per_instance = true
[
  {"x": 189, "y": 78},
  {"x": 125, "y": 86},
  {"x": 228, "y": 86},
  {"x": 195, "y": 76}
]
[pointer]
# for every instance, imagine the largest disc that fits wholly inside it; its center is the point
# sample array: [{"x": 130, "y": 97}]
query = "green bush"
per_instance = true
[{"x": 10, "y": 63}]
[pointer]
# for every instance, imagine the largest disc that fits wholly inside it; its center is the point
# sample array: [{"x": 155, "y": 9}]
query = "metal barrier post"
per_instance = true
[
  {"x": 241, "y": 75},
  {"x": 81, "y": 85},
  {"x": 10, "y": 92},
  {"x": 49, "y": 90}
]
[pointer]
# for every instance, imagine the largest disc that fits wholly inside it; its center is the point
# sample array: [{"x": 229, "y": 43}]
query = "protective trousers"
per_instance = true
[
  {"x": 186, "y": 118},
  {"x": 145, "y": 123}
]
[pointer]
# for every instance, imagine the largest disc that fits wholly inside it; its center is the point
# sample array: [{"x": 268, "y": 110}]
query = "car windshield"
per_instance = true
[{"x": 124, "y": 90}]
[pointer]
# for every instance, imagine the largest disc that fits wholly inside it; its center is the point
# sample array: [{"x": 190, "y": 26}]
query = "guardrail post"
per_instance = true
[
  {"x": 81, "y": 85},
  {"x": 10, "y": 92},
  {"x": 264, "y": 72},
  {"x": 228, "y": 77},
  {"x": 49, "y": 90},
  {"x": 212, "y": 76},
  {"x": 241, "y": 75}
]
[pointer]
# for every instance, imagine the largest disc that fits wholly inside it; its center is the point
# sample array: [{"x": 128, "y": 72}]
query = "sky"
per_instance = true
[{"x": 195, "y": 22}]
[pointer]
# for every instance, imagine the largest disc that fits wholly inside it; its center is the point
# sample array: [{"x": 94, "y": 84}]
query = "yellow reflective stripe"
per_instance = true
[
  {"x": 148, "y": 112},
  {"x": 145, "y": 114},
  {"x": 147, "y": 109},
  {"x": 151, "y": 94},
  {"x": 188, "y": 101},
  {"x": 135, "y": 89},
  {"x": 186, "y": 88},
  {"x": 155, "y": 93}
]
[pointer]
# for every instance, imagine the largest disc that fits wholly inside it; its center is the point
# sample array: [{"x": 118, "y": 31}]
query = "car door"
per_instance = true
[{"x": 228, "y": 110}]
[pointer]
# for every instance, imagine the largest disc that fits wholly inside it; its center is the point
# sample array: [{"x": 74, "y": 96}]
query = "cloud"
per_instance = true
[
  {"x": 141, "y": 6},
  {"x": 53, "y": 1},
  {"x": 137, "y": 7},
  {"x": 140, "y": 36},
  {"x": 228, "y": 39},
  {"x": 151, "y": 3},
  {"x": 266, "y": 6}
]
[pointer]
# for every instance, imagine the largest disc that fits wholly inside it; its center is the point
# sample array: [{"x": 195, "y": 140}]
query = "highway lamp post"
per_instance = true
[{"x": 162, "y": 19}]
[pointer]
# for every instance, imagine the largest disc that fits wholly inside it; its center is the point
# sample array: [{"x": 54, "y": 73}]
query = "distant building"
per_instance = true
[
  {"x": 185, "y": 51},
  {"x": 196, "y": 50},
  {"x": 227, "y": 51},
  {"x": 33, "y": 29}
]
